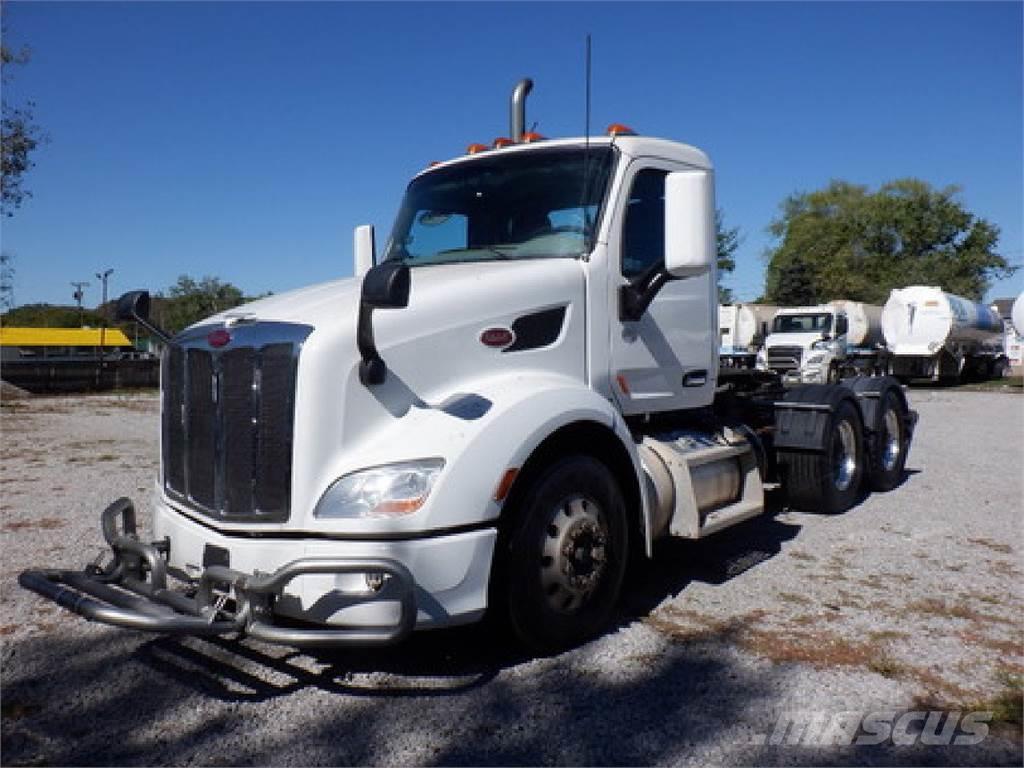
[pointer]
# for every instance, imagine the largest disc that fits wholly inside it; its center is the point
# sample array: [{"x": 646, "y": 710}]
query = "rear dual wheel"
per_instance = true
[
  {"x": 891, "y": 443},
  {"x": 829, "y": 480}
]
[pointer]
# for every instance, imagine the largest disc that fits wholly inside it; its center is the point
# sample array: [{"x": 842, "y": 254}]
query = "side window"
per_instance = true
[
  {"x": 841, "y": 325},
  {"x": 643, "y": 231}
]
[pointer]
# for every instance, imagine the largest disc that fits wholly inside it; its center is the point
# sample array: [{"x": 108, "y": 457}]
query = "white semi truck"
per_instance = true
[
  {"x": 936, "y": 335},
  {"x": 517, "y": 398},
  {"x": 824, "y": 343},
  {"x": 743, "y": 329}
]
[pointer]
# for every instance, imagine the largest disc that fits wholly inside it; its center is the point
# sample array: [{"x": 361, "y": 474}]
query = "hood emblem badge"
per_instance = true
[
  {"x": 497, "y": 338},
  {"x": 218, "y": 338}
]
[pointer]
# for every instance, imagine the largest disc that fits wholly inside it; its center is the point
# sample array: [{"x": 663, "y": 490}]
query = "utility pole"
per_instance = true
[
  {"x": 102, "y": 276},
  {"x": 77, "y": 296}
]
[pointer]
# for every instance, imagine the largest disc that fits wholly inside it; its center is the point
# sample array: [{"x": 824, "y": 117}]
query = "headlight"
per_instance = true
[
  {"x": 815, "y": 359},
  {"x": 393, "y": 490}
]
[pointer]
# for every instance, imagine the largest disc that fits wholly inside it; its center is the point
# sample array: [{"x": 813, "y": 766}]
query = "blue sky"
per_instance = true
[{"x": 246, "y": 140}]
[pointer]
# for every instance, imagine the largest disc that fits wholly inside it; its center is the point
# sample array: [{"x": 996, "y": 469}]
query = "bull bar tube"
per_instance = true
[{"x": 131, "y": 592}]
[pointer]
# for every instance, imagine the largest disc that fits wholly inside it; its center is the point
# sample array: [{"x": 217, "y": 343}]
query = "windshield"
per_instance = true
[
  {"x": 819, "y": 322},
  {"x": 518, "y": 205}
]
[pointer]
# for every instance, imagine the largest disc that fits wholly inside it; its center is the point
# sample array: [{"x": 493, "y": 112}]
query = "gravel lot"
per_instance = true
[{"x": 910, "y": 601}]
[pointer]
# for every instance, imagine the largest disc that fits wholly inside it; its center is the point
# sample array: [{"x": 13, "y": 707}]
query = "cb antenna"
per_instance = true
[
  {"x": 586, "y": 129},
  {"x": 584, "y": 194}
]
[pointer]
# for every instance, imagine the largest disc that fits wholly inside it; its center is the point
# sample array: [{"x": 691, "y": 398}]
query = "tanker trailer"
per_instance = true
[
  {"x": 936, "y": 335},
  {"x": 743, "y": 329}
]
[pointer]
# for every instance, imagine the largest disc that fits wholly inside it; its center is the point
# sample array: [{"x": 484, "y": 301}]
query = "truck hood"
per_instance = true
[
  {"x": 433, "y": 351},
  {"x": 802, "y": 340}
]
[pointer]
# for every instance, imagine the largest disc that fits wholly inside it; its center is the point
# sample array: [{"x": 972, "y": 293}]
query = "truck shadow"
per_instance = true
[
  {"x": 443, "y": 662},
  {"x": 714, "y": 560},
  {"x": 108, "y": 707}
]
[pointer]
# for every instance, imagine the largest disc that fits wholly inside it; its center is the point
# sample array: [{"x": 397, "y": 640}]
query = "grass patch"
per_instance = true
[
  {"x": 798, "y": 555},
  {"x": 886, "y": 635},
  {"x": 1006, "y": 705},
  {"x": 791, "y": 597},
  {"x": 1003, "y": 549},
  {"x": 886, "y": 666}
]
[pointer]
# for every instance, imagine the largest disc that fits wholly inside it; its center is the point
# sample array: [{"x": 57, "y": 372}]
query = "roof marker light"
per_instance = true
[
  {"x": 530, "y": 136},
  {"x": 618, "y": 129},
  {"x": 502, "y": 141},
  {"x": 472, "y": 149}
]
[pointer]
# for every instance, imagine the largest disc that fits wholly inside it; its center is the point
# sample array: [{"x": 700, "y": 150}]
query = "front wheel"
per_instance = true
[
  {"x": 566, "y": 555},
  {"x": 829, "y": 480}
]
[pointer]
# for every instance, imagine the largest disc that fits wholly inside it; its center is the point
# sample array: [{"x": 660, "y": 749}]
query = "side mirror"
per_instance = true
[
  {"x": 365, "y": 250},
  {"x": 134, "y": 305},
  {"x": 385, "y": 286},
  {"x": 690, "y": 244}
]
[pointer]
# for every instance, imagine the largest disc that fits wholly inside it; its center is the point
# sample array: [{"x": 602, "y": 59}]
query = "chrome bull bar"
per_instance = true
[{"x": 132, "y": 592}]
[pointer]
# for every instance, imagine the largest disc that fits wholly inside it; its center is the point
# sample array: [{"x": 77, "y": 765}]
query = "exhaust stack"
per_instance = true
[{"x": 517, "y": 109}]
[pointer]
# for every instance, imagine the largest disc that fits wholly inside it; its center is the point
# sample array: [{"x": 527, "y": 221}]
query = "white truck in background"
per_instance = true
[
  {"x": 824, "y": 343},
  {"x": 517, "y": 399},
  {"x": 743, "y": 328},
  {"x": 939, "y": 336}
]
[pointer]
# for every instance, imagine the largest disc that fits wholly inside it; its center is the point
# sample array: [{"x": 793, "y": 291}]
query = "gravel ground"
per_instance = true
[{"x": 910, "y": 601}]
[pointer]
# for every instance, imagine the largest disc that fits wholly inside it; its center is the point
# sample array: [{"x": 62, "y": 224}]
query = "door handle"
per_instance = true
[{"x": 695, "y": 378}]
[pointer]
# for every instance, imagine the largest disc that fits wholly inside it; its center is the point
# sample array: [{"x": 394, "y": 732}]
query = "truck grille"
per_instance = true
[
  {"x": 227, "y": 420},
  {"x": 784, "y": 358}
]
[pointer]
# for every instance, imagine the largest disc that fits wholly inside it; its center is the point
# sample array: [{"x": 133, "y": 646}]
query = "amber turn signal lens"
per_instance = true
[{"x": 618, "y": 129}]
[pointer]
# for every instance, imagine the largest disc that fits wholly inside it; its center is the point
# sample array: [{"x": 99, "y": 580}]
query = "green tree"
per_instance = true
[
  {"x": 845, "y": 241},
  {"x": 727, "y": 241},
  {"x": 50, "y": 316},
  {"x": 19, "y": 136},
  {"x": 189, "y": 301}
]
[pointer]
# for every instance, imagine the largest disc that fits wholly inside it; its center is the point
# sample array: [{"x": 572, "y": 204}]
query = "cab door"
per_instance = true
[{"x": 668, "y": 358}]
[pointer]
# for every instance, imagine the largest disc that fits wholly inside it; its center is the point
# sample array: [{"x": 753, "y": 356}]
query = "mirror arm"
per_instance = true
[
  {"x": 385, "y": 286},
  {"x": 156, "y": 330},
  {"x": 372, "y": 369},
  {"x": 134, "y": 305},
  {"x": 635, "y": 297}
]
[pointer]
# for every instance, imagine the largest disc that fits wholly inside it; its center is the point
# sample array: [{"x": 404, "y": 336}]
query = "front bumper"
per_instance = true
[{"x": 311, "y": 583}]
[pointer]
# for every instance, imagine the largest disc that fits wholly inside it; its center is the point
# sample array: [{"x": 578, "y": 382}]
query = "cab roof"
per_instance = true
[{"x": 631, "y": 146}]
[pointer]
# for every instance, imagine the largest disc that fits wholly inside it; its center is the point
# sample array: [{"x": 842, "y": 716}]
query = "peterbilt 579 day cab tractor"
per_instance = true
[{"x": 519, "y": 396}]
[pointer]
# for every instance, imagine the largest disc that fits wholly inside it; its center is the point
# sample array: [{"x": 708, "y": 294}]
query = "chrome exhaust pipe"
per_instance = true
[{"x": 517, "y": 109}]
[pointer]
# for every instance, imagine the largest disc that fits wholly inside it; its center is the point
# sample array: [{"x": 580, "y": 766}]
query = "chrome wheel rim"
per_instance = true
[
  {"x": 891, "y": 450},
  {"x": 844, "y": 452},
  {"x": 574, "y": 559}
]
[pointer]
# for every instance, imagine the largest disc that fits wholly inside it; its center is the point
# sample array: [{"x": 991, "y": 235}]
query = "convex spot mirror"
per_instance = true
[{"x": 690, "y": 247}]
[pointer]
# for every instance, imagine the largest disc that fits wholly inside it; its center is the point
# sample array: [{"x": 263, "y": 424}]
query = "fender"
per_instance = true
[{"x": 494, "y": 425}]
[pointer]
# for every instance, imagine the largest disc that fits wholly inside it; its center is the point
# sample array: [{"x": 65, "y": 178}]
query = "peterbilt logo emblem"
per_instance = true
[
  {"x": 218, "y": 338},
  {"x": 497, "y": 338}
]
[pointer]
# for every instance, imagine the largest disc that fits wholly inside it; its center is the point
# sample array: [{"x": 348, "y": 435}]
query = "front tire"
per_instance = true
[
  {"x": 829, "y": 480},
  {"x": 567, "y": 554}
]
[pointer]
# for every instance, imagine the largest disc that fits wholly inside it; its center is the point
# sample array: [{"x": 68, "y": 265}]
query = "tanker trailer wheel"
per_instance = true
[
  {"x": 829, "y": 481},
  {"x": 567, "y": 554},
  {"x": 892, "y": 442}
]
